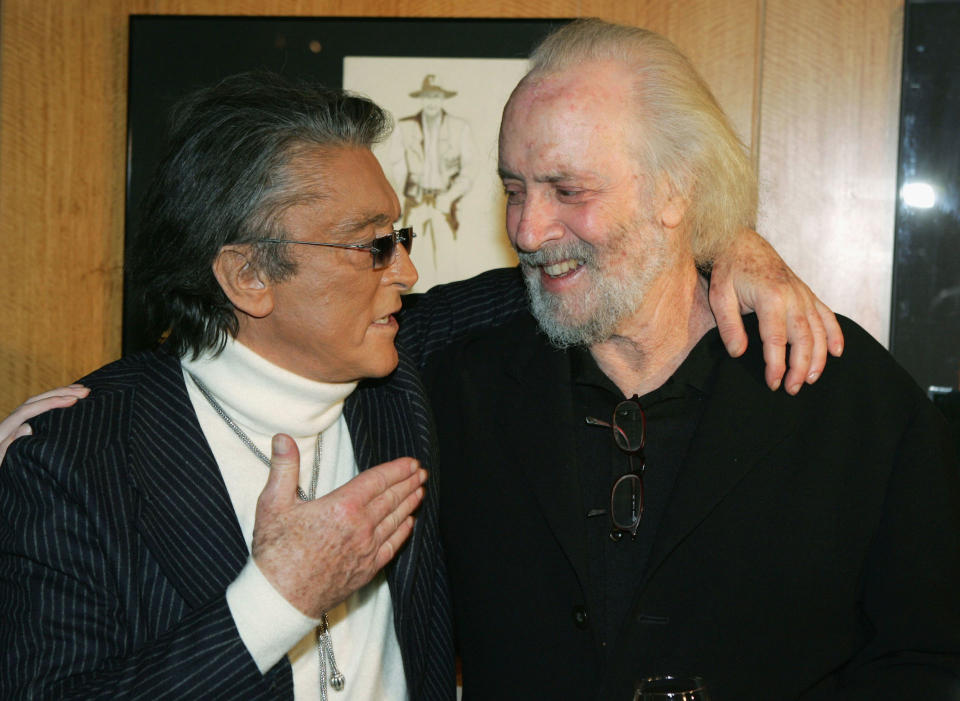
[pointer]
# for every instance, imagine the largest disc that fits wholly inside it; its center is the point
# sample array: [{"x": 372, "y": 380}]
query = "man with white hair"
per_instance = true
[{"x": 621, "y": 499}]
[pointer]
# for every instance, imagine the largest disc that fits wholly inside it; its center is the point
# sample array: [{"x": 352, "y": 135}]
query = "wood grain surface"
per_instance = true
[
  {"x": 811, "y": 86},
  {"x": 828, "y": 124}
]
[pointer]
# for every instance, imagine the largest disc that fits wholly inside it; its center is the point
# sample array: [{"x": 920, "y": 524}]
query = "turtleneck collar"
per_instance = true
[{"x": 262, "y": 396}]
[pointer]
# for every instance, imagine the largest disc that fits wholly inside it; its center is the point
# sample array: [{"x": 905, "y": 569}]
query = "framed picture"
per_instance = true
[
  {"x": 442, "y": 155},
  {"x": 445, "y": 81}
]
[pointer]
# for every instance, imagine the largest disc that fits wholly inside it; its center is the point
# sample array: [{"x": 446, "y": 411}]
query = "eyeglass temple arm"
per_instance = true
[{"x": 360, "y": 246}]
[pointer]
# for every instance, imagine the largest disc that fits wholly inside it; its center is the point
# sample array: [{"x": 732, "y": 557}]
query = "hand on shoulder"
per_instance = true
[
  {"x": 750, "y": 276},
  {"x": 15, "y": 425}
]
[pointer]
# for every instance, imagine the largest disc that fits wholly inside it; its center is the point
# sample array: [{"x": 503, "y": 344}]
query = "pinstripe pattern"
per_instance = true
[
  {"x": 388, "y": 421},
  {"x": 447, "y": 313},
  {"x": 118, "y": 538}
]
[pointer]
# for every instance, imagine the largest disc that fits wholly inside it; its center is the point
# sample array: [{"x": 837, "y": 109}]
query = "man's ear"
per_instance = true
[
  {"x": 672, "y": 212},
  {"x": 670, "y": 201},
  {"x": 247, "y": 288}
]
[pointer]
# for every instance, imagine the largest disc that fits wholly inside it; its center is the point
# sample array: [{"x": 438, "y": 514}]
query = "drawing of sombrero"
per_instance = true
[{"x": 429, "y": 87}]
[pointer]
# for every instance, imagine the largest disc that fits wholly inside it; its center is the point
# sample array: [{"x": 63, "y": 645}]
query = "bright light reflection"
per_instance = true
[{"x": 919, "y": 195}]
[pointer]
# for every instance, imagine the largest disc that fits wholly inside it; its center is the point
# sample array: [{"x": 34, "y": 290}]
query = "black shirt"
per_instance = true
[{"x": 673, "y": 412}]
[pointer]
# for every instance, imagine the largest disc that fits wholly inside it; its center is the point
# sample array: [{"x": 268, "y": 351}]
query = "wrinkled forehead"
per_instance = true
[
  {"x": 582, "y": 110},
  {"x": 345, "y": 184},
  {"x": 579, "y": 88}
]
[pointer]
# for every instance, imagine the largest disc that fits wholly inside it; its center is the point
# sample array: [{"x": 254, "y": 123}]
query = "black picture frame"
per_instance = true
[{"x": 171, "y": 55}]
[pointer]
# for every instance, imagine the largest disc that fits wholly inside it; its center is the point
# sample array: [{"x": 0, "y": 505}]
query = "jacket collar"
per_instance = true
[{"x": 715, "y": 464}]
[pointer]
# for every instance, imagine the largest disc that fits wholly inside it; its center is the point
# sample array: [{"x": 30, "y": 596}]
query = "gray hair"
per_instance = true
[
  {"x": 226, "y": 179},
  {"x": 686, "y": 136}
]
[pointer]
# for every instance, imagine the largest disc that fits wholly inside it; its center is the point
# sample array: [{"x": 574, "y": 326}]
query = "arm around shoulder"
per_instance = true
[{"x": 446, "y": 313}]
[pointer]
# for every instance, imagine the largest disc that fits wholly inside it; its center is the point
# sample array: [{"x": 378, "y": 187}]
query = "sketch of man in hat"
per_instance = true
[{"x": 431, "y": 161}]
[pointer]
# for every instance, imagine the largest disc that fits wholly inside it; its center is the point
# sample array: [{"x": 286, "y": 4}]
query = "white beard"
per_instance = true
[{"x": 593, "y": 316}]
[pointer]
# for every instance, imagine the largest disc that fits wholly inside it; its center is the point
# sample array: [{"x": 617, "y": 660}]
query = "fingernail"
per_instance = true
[
  {"x": 794, "y": 388},
  {"x": 414, "y": 464},
  {"x": 279, "y": 445},
  {"x": 812, "y": 377},
  {"x": 776, "y": 385}
]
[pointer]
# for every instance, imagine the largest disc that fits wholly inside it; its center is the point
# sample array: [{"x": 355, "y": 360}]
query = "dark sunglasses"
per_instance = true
[
  {"x": 382, "y": 248},
  {"x": 629, "y": 425}
]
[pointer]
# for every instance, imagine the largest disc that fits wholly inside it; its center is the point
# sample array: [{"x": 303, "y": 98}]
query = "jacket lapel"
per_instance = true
[
  {"x": 388, "y": 419},
  {"x": 378, "y": 431},
  {"x": 539, "y": 397},
  {"x": 186, "y": 517},
  {"x": 718, "y": 458}
]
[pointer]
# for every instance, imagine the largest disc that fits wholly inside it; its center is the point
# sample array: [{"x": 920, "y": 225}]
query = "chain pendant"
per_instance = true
[{"x": 325, "y": 653}]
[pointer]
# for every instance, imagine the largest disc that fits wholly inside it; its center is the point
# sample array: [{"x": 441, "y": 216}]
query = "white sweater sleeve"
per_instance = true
[{"x": 269, "y": 625}]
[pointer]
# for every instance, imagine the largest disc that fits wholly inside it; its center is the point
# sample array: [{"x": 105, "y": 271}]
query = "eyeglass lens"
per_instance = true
[
  {"x": 626, "y": 502},
  {"x": 384, "y": 246},
  {"x": 626, "y": 497},
  {"x": 629, "y": 426}
]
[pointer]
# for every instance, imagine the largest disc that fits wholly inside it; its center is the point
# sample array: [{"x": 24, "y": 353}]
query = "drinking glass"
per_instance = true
[{"x": 671, "y": 688}]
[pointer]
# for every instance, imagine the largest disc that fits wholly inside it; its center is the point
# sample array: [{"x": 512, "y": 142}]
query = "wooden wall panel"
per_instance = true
[
  {"x": 828, "y": 118},
  {"x": 61, "y": 145},
  {"x": 63, "y": 67}
]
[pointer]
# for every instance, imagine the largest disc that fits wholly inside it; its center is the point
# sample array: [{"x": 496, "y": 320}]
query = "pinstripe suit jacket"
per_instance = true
[{"x": 118, "y": 538}]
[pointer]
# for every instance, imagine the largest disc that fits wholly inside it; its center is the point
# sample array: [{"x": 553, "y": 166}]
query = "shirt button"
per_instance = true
[{"x": 580, "y": 618}]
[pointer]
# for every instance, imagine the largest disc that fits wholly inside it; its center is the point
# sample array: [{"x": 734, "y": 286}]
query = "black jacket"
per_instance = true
[{"x": 810, "y": 548}]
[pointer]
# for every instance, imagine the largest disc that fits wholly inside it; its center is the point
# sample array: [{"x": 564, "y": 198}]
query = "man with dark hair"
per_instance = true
[
  {"x": 621, "y": 499},
  {"x": 148, "y": 544},
  {"x": 142, "y": 552}
]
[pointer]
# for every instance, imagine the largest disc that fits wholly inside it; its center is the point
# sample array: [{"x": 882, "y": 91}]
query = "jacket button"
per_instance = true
[{"x": 580, "y": 618}]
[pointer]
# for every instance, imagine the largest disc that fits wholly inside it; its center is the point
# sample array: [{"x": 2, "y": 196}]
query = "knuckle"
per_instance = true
[
  {"x": 801, "y": 336},
  {"x": 777, "y": 340},
  {"x": 718, "y": 294},
  {"x": 379, "y": 480},
  {"x": 264, "y": 505},
  {"x": 388, "y": 551},
  {"x": 775, "y": 298}
]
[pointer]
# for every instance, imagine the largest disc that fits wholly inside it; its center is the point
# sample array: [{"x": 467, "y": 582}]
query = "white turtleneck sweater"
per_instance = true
[{"x": 263, "y": 399}]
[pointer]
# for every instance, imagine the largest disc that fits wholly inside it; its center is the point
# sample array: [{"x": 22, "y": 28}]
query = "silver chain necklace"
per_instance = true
[{"x": 324, "y": 641}]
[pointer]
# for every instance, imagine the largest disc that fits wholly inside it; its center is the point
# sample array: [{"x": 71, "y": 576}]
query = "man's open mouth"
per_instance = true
[{"x": 562, "y": 267}]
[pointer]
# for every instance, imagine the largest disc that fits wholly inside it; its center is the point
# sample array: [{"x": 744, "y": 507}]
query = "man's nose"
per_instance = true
[
  {"x": 402, "y": 271},
  {"x": 538, "y": 224}
]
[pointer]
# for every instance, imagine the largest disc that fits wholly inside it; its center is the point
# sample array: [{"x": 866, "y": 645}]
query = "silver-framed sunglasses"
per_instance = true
[{"x": 382, "y": 248}]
